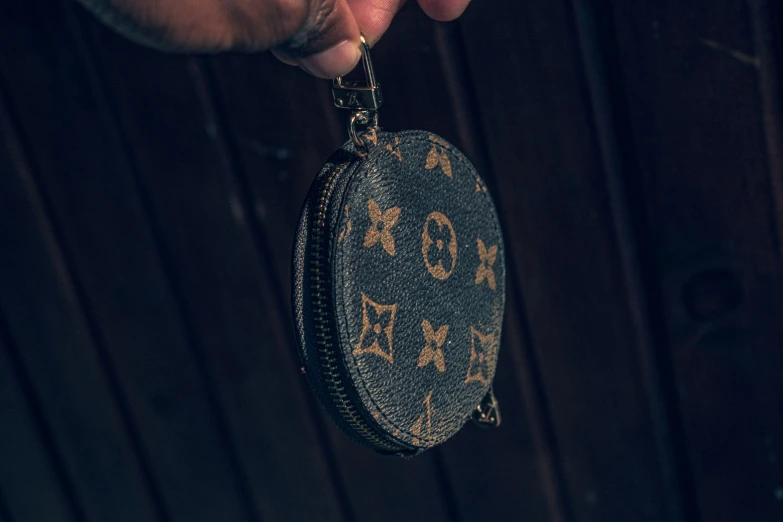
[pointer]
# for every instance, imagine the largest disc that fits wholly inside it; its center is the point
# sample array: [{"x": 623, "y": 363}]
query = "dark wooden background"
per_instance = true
[{"x": 147, "y": 210}]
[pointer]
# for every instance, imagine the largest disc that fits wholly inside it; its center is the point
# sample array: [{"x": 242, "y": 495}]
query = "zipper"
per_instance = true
[{"x": 320, "y": 291}]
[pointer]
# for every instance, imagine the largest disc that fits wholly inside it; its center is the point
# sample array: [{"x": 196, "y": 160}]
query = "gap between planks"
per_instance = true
[
  {"x": 204, "y": 78},
  {"x": 766, "y": 42},
  {"x": 110, "y": 117},
  {"x": 451, "y": 47},
  {"x": 64, "y": 266},
  {"x": 633, "y": 238}
]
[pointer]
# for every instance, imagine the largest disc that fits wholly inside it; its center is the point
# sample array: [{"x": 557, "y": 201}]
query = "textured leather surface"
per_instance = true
[{"x": 417, "y": 274}]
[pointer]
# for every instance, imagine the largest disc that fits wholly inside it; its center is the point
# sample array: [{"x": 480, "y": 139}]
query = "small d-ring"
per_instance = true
[{"x": 366, "y": 137}]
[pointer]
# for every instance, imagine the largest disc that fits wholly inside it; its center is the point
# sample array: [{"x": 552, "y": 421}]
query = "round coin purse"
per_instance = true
[{"x": 399, "y": 284}]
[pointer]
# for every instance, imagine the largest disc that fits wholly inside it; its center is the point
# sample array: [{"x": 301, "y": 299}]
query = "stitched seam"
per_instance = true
[{"x": 350, "y": 192}]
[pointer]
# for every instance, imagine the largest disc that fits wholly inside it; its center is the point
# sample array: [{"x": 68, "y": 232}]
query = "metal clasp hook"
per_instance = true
[
  {"x": 364, "y": 99},
  {"x": 359, "y": 96}
]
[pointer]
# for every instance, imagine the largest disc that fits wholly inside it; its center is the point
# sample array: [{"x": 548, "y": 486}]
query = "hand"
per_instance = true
[{"x": 321, "y": 36}]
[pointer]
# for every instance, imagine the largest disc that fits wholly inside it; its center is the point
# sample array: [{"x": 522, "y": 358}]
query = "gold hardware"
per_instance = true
[
  {"x": 487, "y": 413},
  {"x": 364, "y": 99},
  {"x": 359, "y": 96}
]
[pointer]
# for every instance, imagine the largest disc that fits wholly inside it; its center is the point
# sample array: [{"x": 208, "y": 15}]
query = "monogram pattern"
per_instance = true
[
  {"x": 469, "y": 355},
  {"x": 395, "y": 149},
  {"x": 437, "y": 156},
  {"x": 479, "y": 186},
  {"x": 439, "y": 233},
  {"x": 488, "y": 256},
  {"x": 433, "y": 350},
  {"x": 480, "y": 356},
  {"x": 371, "y": 135},
  {"x": 380, "y": 229},
  {"x": 425, "y": 419},
  {"x": 377, "y": 329}
]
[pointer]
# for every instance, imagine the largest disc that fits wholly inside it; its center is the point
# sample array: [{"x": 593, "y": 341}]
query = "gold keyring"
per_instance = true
[{"x": 360, "y": 138}]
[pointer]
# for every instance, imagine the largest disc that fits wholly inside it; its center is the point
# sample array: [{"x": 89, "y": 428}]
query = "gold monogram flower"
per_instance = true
[
  {"x": 427, "y": 415},
  {"x": 432, "y": 350},
  {"x": 481, "y": 356},
  {"x": 379, "y": 230},
  {"x": 395, "y": 149},
  {"x": 377, "y": 329},
  {"x": 488, "y": 258},
  {"x": 438, "y": 156}
]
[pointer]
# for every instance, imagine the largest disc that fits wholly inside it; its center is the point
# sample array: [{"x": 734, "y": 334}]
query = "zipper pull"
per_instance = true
[{"x": 487, "y": 413}]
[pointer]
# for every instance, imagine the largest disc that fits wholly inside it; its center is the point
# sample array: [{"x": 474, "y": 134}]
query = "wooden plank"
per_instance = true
[
  {"x": 417, "y": 93},
  {"x": 185, "y": 172},
  {"x": 279, "y": 155},
  {"x": 30, "y": 486},
  {"x": 534, "y": 441},
  {"x": 128, "y": 299},
  {"x": 5, "y": 515},
  {"x": 557, "y": 214},
  {"x": 511, "y": 469},
  {"x": 635, "y": 267},
  {"x": 277, "y": 196},
  {"x": 55, "y": 348},
  {"x": 282, "y": 127},
  {"x": 491, "y": 473},
  {"x": 767, "y": 20},
  {"x": 402, "y": 102},
  {"x": 696, "y": 118}
]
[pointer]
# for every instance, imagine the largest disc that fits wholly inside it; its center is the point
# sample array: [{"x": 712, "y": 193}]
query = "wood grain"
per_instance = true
[
  {"x": 278, "y": 156},
  {"x": 56, "y": 349},
  {"x": 490, "y": 473},
  {"x": 542, "y": 147},
  {"x": 34, "y": 485},
  {"x": 126, "y": 294},
  {"x": 696, "y": 127},
  {"x": 5, "y": 515},
  {"x": 148, "y": 204},
  {"x": 183, "y": 170}
]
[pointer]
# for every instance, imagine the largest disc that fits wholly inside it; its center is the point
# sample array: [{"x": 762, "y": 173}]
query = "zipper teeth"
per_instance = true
[{"x": 320, "y": 292}]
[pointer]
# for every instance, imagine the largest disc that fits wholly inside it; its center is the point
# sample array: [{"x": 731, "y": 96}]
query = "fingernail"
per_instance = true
[{"x": 333, "y": 62}]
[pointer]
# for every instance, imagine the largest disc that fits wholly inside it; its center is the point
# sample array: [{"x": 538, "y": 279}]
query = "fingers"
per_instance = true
[
  {"x": 327, "y": 45},
  {"x": 444, "y": 10},
  {"x": 321, "y": 36},
  {"x": 374, "y": 16}
]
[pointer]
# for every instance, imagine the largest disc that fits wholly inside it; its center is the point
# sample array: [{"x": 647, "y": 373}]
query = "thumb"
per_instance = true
[{"x": 327, "y": 45}]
